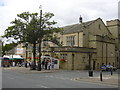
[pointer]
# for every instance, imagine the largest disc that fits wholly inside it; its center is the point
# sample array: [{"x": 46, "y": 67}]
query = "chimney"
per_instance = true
[{"x": 80, "y": 19}]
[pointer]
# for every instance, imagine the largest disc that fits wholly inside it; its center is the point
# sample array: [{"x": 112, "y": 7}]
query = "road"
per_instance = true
[{"x": 59, "y": 79}]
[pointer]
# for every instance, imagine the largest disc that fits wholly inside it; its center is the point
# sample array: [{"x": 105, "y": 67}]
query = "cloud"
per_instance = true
[
  {"x": 66, "y": 11},
  {"x": 2, "y": 4}
]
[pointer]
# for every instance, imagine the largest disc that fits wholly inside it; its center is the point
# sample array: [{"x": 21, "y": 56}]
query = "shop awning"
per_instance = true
[{"x": 16, "y": 57}]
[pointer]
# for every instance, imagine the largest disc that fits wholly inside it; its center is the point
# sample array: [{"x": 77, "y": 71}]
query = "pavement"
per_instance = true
[
  {"x": 27, "y": 70},
  {"x": 107, "y": 79}
]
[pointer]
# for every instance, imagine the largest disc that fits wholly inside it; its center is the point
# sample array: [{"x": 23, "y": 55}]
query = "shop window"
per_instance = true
[
  {"x": 98, "y": 66},
  {"x": 55, "y": 62},
  {"x": 99, "y": 26},
  {"x": 63, "y": 56}
]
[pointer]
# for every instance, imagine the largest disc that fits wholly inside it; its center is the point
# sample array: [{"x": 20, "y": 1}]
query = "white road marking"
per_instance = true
[
  {"x": 63, "y": 78},
  {"x": 10, "y": 78},
  {"x": 51, "y": 76},
  {"x": 44, "y": 87},
  {"x": 57, "y": 77},
  {"x": 41, "y": 86}
]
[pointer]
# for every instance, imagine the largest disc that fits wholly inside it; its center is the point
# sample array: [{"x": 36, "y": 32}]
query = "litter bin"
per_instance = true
[
  {"x": 90, "y": 73},
  {"x": 32, "y": 67},
  {"x": 39, "y": 67}
]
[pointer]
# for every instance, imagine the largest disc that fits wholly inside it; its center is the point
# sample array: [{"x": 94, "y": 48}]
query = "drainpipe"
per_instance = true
[{"x": 78, "y": 39}]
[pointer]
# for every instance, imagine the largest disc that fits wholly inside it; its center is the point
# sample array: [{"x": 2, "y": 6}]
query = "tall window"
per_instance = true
[
  {"x": 63, "y": 56},
  {"x": 70, "y": 40},
  {"x": 99, "y": 26}
]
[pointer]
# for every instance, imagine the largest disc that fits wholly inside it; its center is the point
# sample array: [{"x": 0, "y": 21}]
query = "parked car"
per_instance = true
[
  {"x": 108, "y": 68},
  {"x": 103, "y": 68},
  {"x": 5, "y": 62},
  {"x": 114, "y": 68}
]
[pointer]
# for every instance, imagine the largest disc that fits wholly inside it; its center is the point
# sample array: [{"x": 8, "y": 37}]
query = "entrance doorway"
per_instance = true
[
  {"x": 73, "y": 61},
  {"x": 94, "y": 63}
]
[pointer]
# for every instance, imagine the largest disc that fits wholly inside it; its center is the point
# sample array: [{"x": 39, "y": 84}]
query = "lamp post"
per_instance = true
[
  {"x": 39, "y": 63},
  {"x": 26, "y": 44},
  {"x": 102, "y": 47},
  {"x": 90, "y": 68},
  {"x": 2, "y": 49}
]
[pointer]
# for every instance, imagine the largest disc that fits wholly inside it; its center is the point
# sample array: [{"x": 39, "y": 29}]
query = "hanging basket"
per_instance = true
[
  {"x": 62, "y": 60},
  {"x": 29, "y": 58}
]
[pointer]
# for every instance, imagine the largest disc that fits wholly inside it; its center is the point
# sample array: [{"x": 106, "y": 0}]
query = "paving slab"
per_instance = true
[
  {"x": 107, "y": 79},
  {"x": 27, "y": 70}
]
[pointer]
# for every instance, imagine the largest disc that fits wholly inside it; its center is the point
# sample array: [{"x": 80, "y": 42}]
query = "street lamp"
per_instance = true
[
  {"x": 2, "y": 49},
  {"x": 26, "y": 45},
  {"x": 39, "y": 63},
  {"x": 90, "y": 68}
]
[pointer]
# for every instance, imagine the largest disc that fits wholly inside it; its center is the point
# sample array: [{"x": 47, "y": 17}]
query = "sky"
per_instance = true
[{"x": 67, "y": 12}]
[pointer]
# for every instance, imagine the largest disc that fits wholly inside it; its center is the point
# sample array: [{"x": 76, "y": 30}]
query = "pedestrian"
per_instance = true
[
  {"x": 46, "y": 64},
  {"x": 26, "y": 63},
  {"x": 49, "y": 65},
  {"x": 52, "y": 63},
  {"x": 22, "y": 63},
  {"x": 43, "y": 63},
  {"x": 13, "y": 63},
  {"x": 19, "y": 65},
  {"x": 30, "y": 63},
  {"x": 36, "y": 63}
]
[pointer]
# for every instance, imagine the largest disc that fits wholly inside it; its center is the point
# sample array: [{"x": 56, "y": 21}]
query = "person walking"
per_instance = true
[
  {"x": 30, "y": 62},
  {"x": 26, "y": 63},
  {"x": 52, "y": 64},
  {"x": 43, "y": 63},
  {"x": 49, "y": 65},
  {"x": 13, "y": 63},
  {"x": 46, "y": 64},
  {"x": 22, "y": 64}
]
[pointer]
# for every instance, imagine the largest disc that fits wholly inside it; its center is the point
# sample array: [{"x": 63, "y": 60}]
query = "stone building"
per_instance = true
[
  {"x": 90, "y": 41},
  {"x": 18, "y": 50},
  {"x": 114, "y": 27},
  {"x": 21, "y": 50}
]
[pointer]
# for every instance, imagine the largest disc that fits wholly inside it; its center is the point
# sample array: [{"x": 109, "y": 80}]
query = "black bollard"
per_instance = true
[
  {"x": 90, "y": 73},
  {"x": 111, "y": 72},
  {"x": 26, "y": 65},
  {"x": 101, "y": 76}
]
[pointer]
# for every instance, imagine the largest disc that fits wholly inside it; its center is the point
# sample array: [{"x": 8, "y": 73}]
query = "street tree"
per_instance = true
[
  {"x": 27, "y": 28},
  {"x": 7, "y": 47}
]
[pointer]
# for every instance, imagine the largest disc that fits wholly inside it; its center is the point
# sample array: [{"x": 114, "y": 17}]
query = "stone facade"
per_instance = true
[
  {"x": 91, "y": 34},
  {"x": 76, "y": 58},
  {"x": 114, "y": 27},
  {"x": 18, "y": 50}
]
